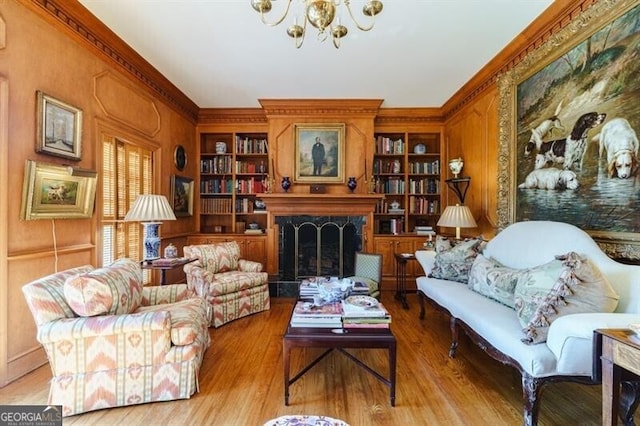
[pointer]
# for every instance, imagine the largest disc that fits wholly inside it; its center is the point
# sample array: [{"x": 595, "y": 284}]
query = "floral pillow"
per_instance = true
[
  {"x": 493, "y": 280},
  {"x": 569, "y": 284},
  {"x": 454, "y": 258}
]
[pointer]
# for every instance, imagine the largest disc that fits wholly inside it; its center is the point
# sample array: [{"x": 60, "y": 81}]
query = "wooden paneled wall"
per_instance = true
[
  {"x": 69, "y": 54},
  {"x": 62, "y": 53}
]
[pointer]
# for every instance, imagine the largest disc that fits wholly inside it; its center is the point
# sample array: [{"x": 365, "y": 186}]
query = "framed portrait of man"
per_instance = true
[{"x": 319, "y": 153}]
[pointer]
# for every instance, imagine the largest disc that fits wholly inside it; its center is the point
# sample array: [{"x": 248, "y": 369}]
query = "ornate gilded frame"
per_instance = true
[
  {"x": 620, "y": 245},
  {"x": 53, "y": 192},
  {"x": 332, "y": 137}
]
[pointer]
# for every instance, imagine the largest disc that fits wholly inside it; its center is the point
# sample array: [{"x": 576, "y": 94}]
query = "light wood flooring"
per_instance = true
[{"x": 241, "y": 382}]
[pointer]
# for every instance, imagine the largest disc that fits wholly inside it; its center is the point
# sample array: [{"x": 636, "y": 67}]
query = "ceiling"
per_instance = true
[{"x": 219, "y": 54}]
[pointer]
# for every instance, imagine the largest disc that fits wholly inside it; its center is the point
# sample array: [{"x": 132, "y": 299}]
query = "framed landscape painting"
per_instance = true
[
  {"x": 319, "y": 153},
  {"x": 59, "y": 128},
  {"x": 569, "y": 122}
]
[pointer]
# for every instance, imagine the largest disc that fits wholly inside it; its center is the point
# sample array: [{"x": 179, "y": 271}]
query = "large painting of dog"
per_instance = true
[{"x": 569, "y": 126}]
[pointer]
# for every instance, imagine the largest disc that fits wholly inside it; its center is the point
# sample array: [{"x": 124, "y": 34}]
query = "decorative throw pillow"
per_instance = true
[
  {"x": 454, "y": 259},
  {"x": 493, "y": 280},
  {"x": 112, "y": 290},
  {"x": 568, "y": 285}
]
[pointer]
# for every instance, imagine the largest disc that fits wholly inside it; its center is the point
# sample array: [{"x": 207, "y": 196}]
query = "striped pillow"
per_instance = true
[{"x": 113, "y": 290}]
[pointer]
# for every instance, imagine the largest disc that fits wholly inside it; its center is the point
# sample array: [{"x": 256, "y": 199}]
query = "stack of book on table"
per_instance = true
[
  {"x": 360, "y": 288},
  {"x": 364, "y": 315},
  {"x": 308, "y": 289},
  {"x": 306, "y": 314}
]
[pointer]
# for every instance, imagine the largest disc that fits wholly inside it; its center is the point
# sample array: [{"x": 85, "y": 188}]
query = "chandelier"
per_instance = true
[{"x": 320, "y": 14}]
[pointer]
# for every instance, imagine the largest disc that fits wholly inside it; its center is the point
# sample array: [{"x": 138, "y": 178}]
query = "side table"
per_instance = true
[
  {"x": 401, "y": 276},
  {"x": 619, "y": 353},
  {"x": 164, "y": 265}
]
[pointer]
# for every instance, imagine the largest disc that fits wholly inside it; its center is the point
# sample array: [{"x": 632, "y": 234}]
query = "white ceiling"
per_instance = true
[{"x": 219, "y": 54}]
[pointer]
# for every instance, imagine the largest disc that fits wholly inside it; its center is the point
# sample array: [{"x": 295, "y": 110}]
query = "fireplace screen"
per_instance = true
[{"x": 318, "y": 245}]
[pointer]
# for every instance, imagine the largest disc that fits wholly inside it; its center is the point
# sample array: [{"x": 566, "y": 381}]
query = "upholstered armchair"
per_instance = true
[
  {"x": 368, "y": 269},
  {"x": 112, "y": 342},
  {"x": 233, "y": 287}
]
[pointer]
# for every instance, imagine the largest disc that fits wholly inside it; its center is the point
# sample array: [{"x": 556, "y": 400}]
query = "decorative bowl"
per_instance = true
[
  {"x": 254, "y": 225},
  {"x": 420, "y": 149},
  {"x": 334, "y": 291}
]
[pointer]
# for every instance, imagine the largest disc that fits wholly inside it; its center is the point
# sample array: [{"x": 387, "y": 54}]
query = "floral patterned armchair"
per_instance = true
[
  {"x": 112, "y": 342},
  {"x": 233, "y": 287}
]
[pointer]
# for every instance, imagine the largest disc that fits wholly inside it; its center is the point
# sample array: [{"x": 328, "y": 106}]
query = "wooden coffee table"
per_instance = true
[{"x": 368, "y": 338}]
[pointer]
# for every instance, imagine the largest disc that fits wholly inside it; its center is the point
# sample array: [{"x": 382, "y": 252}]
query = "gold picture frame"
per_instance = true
[
  {"x": 58, "y": 127},
  {"x": 323, "y": 163},
  {"x": 54, "y": 192},
  {"x": 584, "y": 68},
  {"x": 182, "y": 196}
]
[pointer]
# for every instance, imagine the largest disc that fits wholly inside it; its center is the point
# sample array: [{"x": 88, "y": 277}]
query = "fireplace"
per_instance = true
[{"x": 318, "y": 245}]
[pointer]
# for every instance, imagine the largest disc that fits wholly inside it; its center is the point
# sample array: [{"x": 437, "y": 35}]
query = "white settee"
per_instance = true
[{"x": 567, "y": 354}]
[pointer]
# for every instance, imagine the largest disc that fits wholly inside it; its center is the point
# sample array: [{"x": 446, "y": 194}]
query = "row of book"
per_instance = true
[
  {"x": 215, "y": 205},
  {"x": 226, "y": 186},
  {"x": 338, "y": 315},
  {"x": 420, "y": 205},
  {"x": 425, "y": 167},
  {"x": 424, "y": 186},
  {"x": 247, "y": 145},
  {"x": 386, "y": 145},
  {"x": 219, "y": 164},
  {"x": 250, "y": 167}
]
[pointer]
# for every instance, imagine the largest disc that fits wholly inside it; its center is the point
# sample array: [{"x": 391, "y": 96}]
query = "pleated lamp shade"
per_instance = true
[
  {"x": 457, "y": 217},
  {"x": 150, "y": 208}
]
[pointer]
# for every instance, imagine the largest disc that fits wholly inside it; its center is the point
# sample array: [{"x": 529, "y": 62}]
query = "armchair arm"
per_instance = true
[
  {"x": 101, "y": 326},
  {"x": 157, "y": 295},
  {"x": 249, "y": 266},
  {"x": 198, "y": 279}
]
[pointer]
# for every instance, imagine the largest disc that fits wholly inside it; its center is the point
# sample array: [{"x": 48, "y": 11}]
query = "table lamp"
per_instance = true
[
  {"x": 457, "y": 217},
  {"x": 151, "y": 210}
]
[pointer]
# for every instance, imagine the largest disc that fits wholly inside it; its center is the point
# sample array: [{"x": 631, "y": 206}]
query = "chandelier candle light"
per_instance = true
[
  {"x": 321, "y": 15},
  {"x": 151, "y": 210}
]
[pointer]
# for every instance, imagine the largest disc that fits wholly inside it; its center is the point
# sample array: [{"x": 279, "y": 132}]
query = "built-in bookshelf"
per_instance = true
[
  {"x": 406, "y": 168},
  {"x": 233, "y": 173}
]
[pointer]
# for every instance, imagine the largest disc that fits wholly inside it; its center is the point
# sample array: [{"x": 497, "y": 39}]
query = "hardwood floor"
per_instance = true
[{"x": 241, "y": 382}]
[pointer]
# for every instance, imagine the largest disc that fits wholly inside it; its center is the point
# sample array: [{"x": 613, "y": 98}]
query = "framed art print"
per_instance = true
[{"x": 58, "y": 127}]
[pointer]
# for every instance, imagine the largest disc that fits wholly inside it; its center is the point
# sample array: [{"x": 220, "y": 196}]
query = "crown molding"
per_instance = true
[
  {"x": 232, "y": 116},
  {"x": 75, "y": 20},
  {"x": 301, "y": 107},
  {"x": 556, "y": 17}
]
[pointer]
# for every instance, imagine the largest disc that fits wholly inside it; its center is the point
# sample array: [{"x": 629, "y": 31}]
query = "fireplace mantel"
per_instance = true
[{"x": 321, "y": 204}]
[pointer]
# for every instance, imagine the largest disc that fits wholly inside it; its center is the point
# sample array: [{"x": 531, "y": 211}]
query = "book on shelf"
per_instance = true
[{"x": 254, "y": 231}]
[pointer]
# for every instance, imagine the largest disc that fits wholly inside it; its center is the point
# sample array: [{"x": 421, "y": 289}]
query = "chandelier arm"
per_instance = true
[
  {"x": 336, "y": 42},
  {"x": 304, "y": 32},
  {"x": 355, "y": 21},
  {"x": 279, "y": 21}
]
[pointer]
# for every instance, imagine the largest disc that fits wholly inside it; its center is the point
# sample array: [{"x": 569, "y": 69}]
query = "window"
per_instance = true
[{"x": 126, "y": 173}]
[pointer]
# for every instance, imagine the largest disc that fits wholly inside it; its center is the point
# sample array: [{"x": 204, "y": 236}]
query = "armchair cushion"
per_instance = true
[
  {"x": 114, "y": 290},
  {"x": 216, "y": 258}
]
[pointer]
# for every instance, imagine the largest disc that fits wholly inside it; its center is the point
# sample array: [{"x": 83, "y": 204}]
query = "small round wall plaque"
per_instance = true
[{"x": 180, "y": 157}]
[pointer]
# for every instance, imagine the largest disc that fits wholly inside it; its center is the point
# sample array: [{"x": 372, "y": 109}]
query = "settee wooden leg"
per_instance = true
[
  {"x": 531, "y": 392},
  {"x": 629, "y": 399},
  {"x": 453, "y": 326},
  {"x": 421, "y": 302}
]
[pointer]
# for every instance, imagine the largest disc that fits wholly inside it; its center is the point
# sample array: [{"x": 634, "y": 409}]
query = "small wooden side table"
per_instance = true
[
  {"x": 619, "y": 352},
  {"x": 401, "y": 276},
  {"x": 165, "y": 265}
]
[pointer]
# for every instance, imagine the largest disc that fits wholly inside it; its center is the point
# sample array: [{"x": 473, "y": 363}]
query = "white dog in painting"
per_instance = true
[
  {"x": 620, "y": 141},
  {"x": 550, "y": 178}
]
